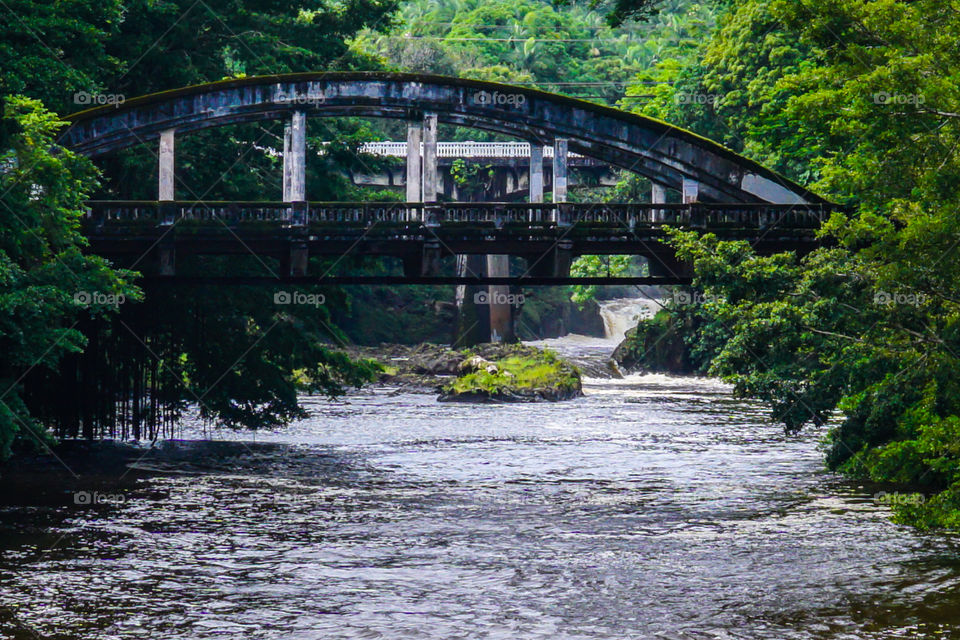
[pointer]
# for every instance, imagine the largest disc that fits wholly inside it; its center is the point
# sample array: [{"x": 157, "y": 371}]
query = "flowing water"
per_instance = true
[
  {"x": 621, "y": 314},
  {"x": 653, "y": 507}
]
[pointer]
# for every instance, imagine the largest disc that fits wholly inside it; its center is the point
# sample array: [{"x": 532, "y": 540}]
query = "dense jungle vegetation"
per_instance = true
[{"x": 859, "y": 100}]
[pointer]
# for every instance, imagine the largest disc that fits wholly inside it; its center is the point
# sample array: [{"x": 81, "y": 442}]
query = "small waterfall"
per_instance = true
[
  {"x": 622, "y": 314},
  {"x": 592, "y": 355}
]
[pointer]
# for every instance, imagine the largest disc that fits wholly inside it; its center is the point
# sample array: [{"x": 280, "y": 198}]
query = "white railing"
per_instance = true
[{"x": 461, "y": 149}]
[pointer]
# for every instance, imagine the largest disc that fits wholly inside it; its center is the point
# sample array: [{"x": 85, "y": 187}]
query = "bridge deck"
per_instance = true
[
  {"x": 411, "y": 230},
  {"x": 697, "y": 215}
]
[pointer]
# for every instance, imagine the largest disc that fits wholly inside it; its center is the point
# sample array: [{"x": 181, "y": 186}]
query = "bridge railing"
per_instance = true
[
  {"x": 103, "y": 211},
  {"x": 497, "y": 214},
  {"x": 460, "y": 149}
]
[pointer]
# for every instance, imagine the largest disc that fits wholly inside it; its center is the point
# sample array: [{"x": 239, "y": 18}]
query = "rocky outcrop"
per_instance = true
[
  {"x": 513, "y": 373},
  {"x": 485, "y": 373}
]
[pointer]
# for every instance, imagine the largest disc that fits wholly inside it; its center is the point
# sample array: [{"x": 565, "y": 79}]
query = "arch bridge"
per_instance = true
[{"x": 720, "y": 191}]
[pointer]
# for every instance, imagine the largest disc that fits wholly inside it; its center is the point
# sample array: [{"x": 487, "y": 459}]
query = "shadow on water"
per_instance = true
[{"x": 53, "y": 478}]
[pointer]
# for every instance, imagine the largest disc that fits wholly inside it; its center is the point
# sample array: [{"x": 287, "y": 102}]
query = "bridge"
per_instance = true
[
  {"x": 547, "y": 236},
  {"x": 717, "y": 189},
  {"x": 506, "y": 166}
]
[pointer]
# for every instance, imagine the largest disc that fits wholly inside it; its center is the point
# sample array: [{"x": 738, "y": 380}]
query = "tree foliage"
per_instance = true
[
  {"x": 571, "y": 49},
  {"x": 859, "y": 96},
  {"x": 46, "y": 281},
  {"x": 236, "y": 355}
]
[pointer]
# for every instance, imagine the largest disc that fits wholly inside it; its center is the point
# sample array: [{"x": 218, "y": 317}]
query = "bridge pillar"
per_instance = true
[
  {"x": 473, "y": 317},
  {"x": 430, "y": 157},
  {"x": 287, "y": 132},
  {"x": 691, "y": 191},
  {"x": 166, "y": 171},
  {"x": 414, "y": 136},
  {"x": 299, "y": 259},
  {"x": 535, "y": 181},
  {"x": 297, "y": 167},
  {"x": 166, "y": 209},
  {"x": 167, "y": 259},
  {"x": 536, "y": 172},
  {"x": 658, "y": 195},
  {"x": 166, "y": 180},
  {"x": 554, "y": 263},
  {"x": 498, "y": 296},
  {"x": 430, "y": 263},
  {"x": 559, "y": 178},
  {"x": 563, "y": 259}
]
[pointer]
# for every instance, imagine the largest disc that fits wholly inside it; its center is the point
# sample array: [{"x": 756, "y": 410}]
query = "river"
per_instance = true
[{"x": 653, "y": 507}]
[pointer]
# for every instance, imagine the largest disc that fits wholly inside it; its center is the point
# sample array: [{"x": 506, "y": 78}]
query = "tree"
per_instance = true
[
  {"x": 621, "y": 11},
  {"x": 77, "y": 56},
  {"x": 56, "y": 51},
  {"x": 596, "y": 266},
  {"x": 46, "y": 282},
  {"x": 861, "y": 96}
]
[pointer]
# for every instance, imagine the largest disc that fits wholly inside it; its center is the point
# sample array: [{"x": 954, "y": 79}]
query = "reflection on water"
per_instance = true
[{"x": 654, "y": 507}]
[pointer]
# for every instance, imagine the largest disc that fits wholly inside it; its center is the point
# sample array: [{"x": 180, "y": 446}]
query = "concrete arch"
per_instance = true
[{"x": 660, "y": 151}]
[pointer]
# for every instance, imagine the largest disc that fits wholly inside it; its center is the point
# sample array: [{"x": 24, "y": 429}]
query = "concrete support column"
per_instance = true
[
  {"x": 166, "y": 172},
  {"x": 560, "y": 170},
  {"x": 691, "y": 191},
  {"x": 563, "y": 259},
  {"x": 299, "y": 259},
  {"x": 414, "y": 168},
  {"x": 414, "y": 137},
  {"x": 287, "y": 129},
  {"x": 498, "y": 297},
  {"x": 559, "y": 179},
  {"x": 297, "y": 165},
  {"x": 473, "y": 316},
  {"x": 536, "y": 173},
  {"x": 167, "y": 257},
  {"x": 536, "y": 179},
  {"x": 166, "y": 250},
  {"x": 430, "y": 157},
  {"x": 658, "y": 195}
]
